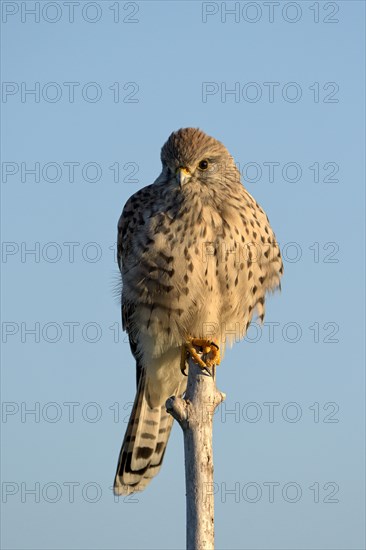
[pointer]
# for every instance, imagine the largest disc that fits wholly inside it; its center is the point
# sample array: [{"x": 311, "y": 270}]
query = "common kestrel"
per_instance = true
[{"x": 197, "y": 256}]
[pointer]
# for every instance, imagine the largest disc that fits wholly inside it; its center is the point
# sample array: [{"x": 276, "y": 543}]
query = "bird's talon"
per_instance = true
[
  {"x": 205, "y": 347},
  {"x": 206, "y": 369},
  {"x": 183, "y": 357}
]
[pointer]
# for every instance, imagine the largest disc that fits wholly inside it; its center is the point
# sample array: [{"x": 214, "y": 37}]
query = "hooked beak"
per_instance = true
[{"x": 182, "y": 175}]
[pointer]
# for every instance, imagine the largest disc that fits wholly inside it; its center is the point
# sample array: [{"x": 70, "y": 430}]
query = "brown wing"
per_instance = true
[
  {"x": 124, "y": 244},
  {"x": 128, "y": 248}
]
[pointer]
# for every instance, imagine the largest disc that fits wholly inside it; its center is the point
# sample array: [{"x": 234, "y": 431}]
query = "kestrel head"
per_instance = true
[{"x": 190, "y": 158}]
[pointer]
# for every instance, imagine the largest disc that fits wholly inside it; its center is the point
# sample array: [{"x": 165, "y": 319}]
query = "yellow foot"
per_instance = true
[{"x": 206, "y": 346}]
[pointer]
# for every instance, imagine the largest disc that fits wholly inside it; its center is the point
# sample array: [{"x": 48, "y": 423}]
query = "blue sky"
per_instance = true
[{"x": 282, "y": 86}]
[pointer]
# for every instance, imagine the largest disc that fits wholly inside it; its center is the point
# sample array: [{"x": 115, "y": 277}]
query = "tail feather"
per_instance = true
[{"x": 144, "y": 444}]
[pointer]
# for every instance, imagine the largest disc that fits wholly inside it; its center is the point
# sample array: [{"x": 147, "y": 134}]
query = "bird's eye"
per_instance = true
[{"x": 203, "y": 165}]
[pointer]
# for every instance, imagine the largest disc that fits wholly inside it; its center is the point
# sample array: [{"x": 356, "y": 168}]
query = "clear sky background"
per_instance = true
[{"x": 289, "y": 441}]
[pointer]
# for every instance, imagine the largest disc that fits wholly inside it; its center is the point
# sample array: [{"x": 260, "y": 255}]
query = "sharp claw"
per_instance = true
[
  {"x": 206, "y": 369},
  {"x": 205, "y": 347}
]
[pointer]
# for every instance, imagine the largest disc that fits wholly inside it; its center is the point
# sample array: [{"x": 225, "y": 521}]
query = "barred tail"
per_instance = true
[{"x": 144, "y": 444}]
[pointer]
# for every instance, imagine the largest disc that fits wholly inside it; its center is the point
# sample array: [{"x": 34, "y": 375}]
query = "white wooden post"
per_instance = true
[{"x": 195, "y": 415}]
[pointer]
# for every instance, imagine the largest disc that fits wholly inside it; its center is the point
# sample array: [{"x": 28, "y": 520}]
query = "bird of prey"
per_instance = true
[{"x": 197, "y": 256}]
